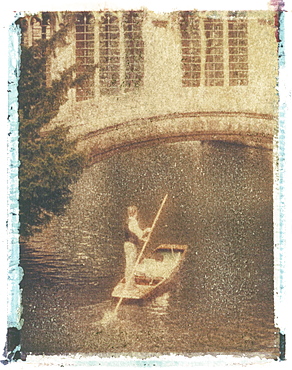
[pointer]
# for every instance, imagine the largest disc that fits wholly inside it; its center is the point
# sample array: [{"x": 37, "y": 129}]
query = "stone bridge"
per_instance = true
[{"x": 244, "y": 128}]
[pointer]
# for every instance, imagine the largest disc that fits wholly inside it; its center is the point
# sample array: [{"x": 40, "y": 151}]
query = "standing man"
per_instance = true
[{"x": 134, "y": 237}]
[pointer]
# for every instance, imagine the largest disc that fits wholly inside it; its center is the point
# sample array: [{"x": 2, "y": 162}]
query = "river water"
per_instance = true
[{"x": 220, "y": 204}]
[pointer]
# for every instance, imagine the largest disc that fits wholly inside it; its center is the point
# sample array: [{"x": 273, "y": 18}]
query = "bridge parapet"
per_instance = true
[{"x": 237, "y": 127}]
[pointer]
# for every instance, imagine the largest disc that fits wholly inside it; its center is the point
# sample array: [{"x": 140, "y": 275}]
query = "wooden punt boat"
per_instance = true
[{"x": 153, "y": 273}]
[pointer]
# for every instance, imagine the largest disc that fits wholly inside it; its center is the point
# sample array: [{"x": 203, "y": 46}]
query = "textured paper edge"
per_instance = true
[{"x": 283, "y": 180}]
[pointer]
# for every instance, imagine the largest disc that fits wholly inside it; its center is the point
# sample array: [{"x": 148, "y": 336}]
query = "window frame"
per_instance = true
[
  {"x": 219, "y": 62},
  {"x": 84, "y": 27}
]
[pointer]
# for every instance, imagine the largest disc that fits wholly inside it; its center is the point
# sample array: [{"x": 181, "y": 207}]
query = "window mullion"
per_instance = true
[
  {"x": 203, "y": 51},
  {"x": 122, "y": 55},
  {"x": 84, "y": 51},
  {"x": 225, "y": 52}
]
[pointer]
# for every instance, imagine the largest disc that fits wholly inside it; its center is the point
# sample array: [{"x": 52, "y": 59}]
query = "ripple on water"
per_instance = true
[{"x": 220, "y": 204}]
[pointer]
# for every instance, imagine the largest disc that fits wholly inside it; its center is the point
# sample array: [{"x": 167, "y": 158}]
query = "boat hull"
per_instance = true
[{"x": 154, "y": 275}]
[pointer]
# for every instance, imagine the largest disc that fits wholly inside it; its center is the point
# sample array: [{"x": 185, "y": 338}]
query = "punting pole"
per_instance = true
[{"x": 142, "y": 251}]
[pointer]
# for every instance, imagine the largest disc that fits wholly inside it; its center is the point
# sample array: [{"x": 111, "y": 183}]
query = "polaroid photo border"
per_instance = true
[{"x": 15, "y": 274}]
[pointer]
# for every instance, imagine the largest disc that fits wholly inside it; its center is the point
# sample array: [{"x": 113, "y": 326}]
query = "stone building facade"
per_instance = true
[{"x": 147, "y": 77}]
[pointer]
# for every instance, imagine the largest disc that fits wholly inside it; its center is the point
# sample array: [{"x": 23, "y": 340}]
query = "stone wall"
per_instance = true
[{"x": 249, "y": 108}]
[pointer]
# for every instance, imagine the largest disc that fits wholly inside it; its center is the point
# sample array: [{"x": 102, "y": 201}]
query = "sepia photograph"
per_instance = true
[{"x": 146, "y": 171}]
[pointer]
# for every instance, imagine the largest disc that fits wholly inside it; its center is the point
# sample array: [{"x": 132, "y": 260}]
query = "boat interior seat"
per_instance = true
[{"x": 153, "y": 268}]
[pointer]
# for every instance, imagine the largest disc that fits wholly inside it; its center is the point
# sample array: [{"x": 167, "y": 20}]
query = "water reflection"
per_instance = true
[
  {"x": 159, "y": 305},
  {"x": 220, "y": 205}
]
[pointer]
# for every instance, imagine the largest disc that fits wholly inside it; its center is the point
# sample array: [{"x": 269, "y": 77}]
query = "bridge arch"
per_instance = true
[{"x": 245, "y": 128}]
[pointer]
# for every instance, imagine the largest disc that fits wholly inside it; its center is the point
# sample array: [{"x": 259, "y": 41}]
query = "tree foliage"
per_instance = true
[{"x": 49, "y": 160}]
